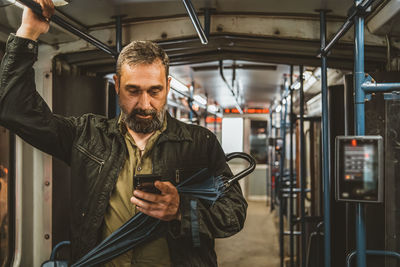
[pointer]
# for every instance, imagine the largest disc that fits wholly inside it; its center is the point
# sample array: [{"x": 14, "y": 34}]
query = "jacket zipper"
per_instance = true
[{"x": 91, "y": 156}]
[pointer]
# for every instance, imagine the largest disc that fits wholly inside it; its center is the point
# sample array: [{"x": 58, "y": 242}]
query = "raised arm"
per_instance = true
[{"x": 22, "y": 110}]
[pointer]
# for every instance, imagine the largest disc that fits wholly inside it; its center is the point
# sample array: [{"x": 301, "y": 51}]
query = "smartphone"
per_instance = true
[{"x": 145, "y": 183}]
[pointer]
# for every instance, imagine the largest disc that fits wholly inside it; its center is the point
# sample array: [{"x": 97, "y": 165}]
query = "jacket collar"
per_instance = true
[{"x": 176, "y": 131}]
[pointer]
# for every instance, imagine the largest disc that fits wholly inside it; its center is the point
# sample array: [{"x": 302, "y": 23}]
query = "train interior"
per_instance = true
[{"x": 255, "y": 79}]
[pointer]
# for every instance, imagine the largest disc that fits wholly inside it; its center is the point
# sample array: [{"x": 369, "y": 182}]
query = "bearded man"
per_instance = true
[{"x": 106, "y": 154}]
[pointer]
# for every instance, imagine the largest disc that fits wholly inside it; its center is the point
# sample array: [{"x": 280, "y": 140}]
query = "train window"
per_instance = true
[
  {"x": 5, "y": 162},
  {"x": 258, "y": 141}
]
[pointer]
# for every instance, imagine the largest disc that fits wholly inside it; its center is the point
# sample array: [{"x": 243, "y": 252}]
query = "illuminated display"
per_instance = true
[
  {"x": 247, "y": 111},
  {"x": 359, "y": 171}
]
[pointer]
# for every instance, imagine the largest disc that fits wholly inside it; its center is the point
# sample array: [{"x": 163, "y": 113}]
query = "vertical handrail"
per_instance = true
[
  {"x": 207, "y": 21},
  {"x": 282, "y": 163},
  {"x": 291, "y": 220},
  {"x": 359, "y": 125},
  {"x": 302, "y": 172},
  {"x": 118, "y": 33},
  {"x": 325, "y": 144},
  {"x": 272, "y": 159}
]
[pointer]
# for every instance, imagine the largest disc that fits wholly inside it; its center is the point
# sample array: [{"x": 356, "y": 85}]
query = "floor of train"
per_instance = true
[{"x": 256, "y": 245}]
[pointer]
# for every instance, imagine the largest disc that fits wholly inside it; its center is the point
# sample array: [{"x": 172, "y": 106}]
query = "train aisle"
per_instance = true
[{"x": 256, "y": 245}]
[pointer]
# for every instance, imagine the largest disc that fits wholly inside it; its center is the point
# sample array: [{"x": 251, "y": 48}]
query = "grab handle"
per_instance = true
[{"x": 245, "y": 172}]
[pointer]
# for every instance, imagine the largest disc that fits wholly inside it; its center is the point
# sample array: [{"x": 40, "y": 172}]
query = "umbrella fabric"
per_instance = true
[{"x": 142, "y": 228}]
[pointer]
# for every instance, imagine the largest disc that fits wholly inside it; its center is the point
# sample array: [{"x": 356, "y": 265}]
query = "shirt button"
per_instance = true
[
  {"x": 30, "y": 46},
  {"x": 83, "y": 214},
  {"x": 139, "y": 168}
]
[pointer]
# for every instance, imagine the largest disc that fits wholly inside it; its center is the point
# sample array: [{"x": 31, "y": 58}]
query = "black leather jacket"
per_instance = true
[{"x": 95, "y": 149}]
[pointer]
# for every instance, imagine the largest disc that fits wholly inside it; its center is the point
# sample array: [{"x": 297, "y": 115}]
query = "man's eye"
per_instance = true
[
  {"x": 134, "y": 92},
  {"x": 154, "y": 92}
]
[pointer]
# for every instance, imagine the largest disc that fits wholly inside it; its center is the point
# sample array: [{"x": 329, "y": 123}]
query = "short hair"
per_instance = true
[{"x": 142, "y": 52}]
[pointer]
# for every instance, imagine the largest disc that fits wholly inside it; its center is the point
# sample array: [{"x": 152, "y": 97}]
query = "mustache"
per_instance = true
[{"x": 143, "y": 112}]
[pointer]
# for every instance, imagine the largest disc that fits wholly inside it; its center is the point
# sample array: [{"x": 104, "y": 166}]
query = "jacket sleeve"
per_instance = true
[
  {"x": 22, "y": 109},
  {"x": 225, "y": 217}
]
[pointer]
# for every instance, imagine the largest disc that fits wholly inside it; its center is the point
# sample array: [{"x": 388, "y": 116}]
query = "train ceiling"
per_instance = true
[{"x": 259, "y": 63}]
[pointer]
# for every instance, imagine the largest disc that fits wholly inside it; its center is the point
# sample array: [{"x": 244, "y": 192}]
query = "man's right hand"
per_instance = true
[{"x": 32, "y": 26}]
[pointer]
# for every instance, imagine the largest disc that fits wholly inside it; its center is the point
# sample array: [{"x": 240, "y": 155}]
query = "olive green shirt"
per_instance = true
[{"x": 120, "y": 209}]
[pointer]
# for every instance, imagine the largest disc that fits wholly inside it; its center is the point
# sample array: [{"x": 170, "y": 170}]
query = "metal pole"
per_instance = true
[
  {"x": 221, "y": 72},
  {"x": 206, "y": 112},
  {"x": 190, "y": 102},
  {"x": 362, "y": 7},
  {"x": 302, "y": 172},
  {"x": 281, "y": 229},
  {"x": 215, "y": 123},
  {"x": 282, "y": 163},
  {"x": 360, "y": 125},
  {"x": 291, "y": 219},
  {"x": 207, "y": 21},
  {"x": 380, "y": 87},
  {"x": 118, "y": 33},
  {"x": 195, "y": 20},
  {"x": 325, "y": 145},
  {"x": 272, "y": 160},
  {"x": 36, "y": 8}
]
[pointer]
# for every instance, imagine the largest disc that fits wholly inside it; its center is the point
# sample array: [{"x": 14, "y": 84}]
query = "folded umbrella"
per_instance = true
[{"x": 142, "y": 228}]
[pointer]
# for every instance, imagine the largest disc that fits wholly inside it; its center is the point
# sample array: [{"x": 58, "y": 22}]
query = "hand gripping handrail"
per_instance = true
[{"x": 37, "y": 9}]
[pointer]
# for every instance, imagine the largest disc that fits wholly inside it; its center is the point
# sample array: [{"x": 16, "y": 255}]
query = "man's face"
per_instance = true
[{"x": 143, "y": 91}]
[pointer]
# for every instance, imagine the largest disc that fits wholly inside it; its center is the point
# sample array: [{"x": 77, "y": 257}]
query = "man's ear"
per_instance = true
[
  {"x": 116, "y": 82},
  {"x": 168, "y": 84}
]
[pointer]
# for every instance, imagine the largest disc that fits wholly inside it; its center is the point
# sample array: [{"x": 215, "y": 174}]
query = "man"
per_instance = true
[{"x": 104, "y": 155}]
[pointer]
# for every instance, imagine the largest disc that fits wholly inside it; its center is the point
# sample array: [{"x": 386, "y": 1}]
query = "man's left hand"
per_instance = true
[{"x": 164, "y": 206}]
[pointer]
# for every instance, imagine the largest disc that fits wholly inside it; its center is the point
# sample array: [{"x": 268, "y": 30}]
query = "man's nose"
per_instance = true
[{"x": 144, "y": 101}]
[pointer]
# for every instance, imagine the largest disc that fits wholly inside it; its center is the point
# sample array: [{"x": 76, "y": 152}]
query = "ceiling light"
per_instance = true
[
  {"x": 309, "y": 83},
  {"x": 55, "y": 2},
  {"x": 317, "y": 73},
  {"x": 200, "y": 99},
  {"x": 60, "y": 2},
  {"x": 307, "y": 75},
  {"x": 179, "y": 86},
  {"x": 212, "y": 108},
  {"x": 296, "y": 85}
]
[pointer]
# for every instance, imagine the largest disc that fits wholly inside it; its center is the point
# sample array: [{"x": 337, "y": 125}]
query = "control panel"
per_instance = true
[{"x": 359, "y": 168}]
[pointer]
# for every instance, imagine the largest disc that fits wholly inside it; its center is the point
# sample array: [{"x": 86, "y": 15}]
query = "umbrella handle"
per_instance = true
[{"x": 245, "y": 172}]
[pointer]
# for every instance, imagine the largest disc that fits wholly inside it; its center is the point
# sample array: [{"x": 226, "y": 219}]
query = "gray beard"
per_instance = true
[{"x": 144, "y": 126}]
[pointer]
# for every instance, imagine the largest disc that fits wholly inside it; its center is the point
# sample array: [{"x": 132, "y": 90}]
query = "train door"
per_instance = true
[{"x": 256, "y": 145}]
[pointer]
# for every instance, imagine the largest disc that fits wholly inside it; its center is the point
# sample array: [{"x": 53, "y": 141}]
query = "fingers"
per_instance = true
[
  {"x": 146, "y": 196},
  {"x": 165, "y": 187},
  {"x": 47, "y": 8},
  {"x": 164, "y": 207},
  {"x": 143, "y": 204}
]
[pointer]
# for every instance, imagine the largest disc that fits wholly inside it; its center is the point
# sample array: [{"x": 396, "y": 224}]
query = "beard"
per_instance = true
[{"x": 143, "y": 125}]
